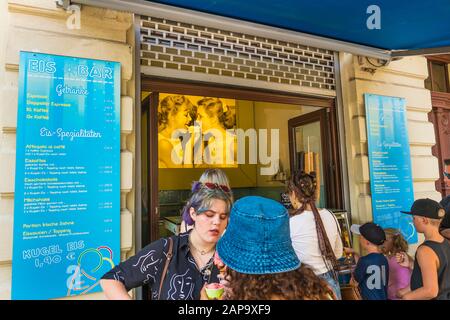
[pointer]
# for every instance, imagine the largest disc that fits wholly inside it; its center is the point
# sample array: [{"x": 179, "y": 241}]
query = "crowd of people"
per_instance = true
[{"x": 256, "y": 249}]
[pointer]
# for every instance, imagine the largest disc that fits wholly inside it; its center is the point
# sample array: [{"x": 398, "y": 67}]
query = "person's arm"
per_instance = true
[
  {"x": 428, "y": 262},
  {"x": 337, "y": 243},
  {"x": 360, "y": 271},
  {"x": 138, "y": 270},
  {"x": 338, "y": 247},
  {"x": 352, "y": 252},
  {"x": 114, "y": 290},
  {"x": 402, "y": 292}
]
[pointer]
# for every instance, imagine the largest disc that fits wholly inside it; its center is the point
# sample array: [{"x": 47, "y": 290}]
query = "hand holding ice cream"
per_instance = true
[
  {"x": 219, "y": 263},
  {"x": 224, "y": 277}
]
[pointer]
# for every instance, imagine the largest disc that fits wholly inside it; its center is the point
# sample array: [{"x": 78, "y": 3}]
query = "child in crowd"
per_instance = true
[
  {"x": 372, "y": 270},
  {"x": 431, "y": 273},
  {"x": 399, "y": 275}
]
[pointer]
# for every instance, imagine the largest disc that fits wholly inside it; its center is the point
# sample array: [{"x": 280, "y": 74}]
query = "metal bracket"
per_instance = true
[
  {"x": 369, "y": 66},
  {"x": 64, "y": 4}
]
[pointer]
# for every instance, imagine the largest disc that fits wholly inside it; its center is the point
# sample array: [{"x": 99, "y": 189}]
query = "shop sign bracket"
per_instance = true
[{"x": 64, "y": 4}]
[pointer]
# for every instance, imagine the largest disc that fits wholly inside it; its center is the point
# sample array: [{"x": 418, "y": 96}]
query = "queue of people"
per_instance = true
[{"x": 256, "y": 249}]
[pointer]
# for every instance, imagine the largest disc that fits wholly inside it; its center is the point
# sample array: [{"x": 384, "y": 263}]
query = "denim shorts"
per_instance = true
[{"x": 328, "y": 277}]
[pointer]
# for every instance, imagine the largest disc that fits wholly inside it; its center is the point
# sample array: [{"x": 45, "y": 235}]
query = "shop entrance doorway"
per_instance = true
[
  {"x": 279, "y": 118},
  {"x": 312, "y": 147}
]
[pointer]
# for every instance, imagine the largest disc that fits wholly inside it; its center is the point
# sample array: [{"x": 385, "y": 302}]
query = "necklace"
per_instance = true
[
  {"x": 202, "y": 252},
  {"x": 205, "y": 270}
]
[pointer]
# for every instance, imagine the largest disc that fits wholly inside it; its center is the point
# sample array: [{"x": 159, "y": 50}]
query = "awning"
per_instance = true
[{"x": 398, "y": 27}]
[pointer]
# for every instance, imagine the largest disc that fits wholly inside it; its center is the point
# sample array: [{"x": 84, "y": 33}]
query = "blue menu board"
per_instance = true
[
  {"x": 390, "y": 163},
  {"x": 67, "y": 183}
]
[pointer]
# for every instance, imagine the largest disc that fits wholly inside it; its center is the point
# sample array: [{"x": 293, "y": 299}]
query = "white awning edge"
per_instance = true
[{"x": 420, "y": 52}]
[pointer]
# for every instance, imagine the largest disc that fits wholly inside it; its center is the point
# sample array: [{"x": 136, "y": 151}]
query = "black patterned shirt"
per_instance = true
[{"x": 183, "y": 280}]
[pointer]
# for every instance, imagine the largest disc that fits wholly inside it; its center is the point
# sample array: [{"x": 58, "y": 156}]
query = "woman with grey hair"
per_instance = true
[
  {"x": 210, "y": 177},
  {"x": 177, "y": 267}
]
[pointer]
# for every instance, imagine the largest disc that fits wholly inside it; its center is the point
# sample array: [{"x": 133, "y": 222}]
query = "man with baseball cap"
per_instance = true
[
  {"x": 372, "y": 270},
  {"x": 430, "y": 278}
]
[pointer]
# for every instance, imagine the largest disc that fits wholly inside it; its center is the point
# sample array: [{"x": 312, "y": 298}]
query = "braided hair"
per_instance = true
[{"x": 304, "y": 186}]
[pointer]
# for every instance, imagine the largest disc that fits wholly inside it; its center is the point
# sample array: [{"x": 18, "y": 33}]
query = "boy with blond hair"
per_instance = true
[{"x": 431, "y": 272}]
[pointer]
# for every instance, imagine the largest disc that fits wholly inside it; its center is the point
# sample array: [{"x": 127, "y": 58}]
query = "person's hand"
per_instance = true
[
  {"x": 219, "y": 263},
  {"x": 349, "y": 250},
  {"x": 203, "y": 295},
  {"x": 225, "y": 280},
  {"x": 402, "y": 259},
  {"x": 401, "y": 293}
]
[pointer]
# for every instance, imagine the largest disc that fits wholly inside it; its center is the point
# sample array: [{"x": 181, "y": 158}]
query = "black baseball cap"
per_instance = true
[
  {"x": 426, "y": 208},
  {"x": 371, "y": 231}
]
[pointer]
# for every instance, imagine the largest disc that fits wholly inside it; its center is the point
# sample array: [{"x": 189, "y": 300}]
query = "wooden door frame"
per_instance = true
[
  {"x": 154, "y": 84},
  {"x": 151, "y": 162},
  {"x": 330, "y": 154},
  {"x": 157, "y": 85}
]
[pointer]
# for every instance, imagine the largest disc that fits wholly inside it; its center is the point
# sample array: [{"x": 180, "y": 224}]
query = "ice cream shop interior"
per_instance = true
[
  {"x": 256, "y": 139},
  {"x": 188, "y": 86}
]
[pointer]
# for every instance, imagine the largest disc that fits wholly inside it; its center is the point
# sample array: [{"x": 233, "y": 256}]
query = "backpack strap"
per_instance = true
[{"x": 166, "y": 266}]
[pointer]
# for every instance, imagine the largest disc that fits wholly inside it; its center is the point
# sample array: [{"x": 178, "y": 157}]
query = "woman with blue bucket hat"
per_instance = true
[{"x": 260, "y": 259}]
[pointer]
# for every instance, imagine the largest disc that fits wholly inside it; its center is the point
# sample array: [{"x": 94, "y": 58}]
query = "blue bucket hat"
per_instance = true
[{"x": 257, "y": 239}]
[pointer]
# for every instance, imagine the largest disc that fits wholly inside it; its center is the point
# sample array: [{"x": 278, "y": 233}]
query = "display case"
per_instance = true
[{"x": 172, "y": 224}]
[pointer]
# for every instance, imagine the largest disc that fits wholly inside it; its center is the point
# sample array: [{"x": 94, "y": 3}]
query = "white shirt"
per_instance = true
[{"x": 306, "y": 243}]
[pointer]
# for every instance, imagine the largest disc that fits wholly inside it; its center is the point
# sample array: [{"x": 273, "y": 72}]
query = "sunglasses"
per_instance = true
[
  {"x": 214, "y": 186},
  {"x": 447, "y": 175}
]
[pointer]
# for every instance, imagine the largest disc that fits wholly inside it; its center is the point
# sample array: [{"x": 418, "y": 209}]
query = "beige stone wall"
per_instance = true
[
  {"x": 403, "y": 78},
  {"x": 31, "y": 25}
]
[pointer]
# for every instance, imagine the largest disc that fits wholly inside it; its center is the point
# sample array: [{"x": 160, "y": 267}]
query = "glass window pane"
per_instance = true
[{"x": 309, "y": 156}]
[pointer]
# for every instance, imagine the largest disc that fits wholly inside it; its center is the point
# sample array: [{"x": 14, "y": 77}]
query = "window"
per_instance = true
[{"x": 438, "y": 79}]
